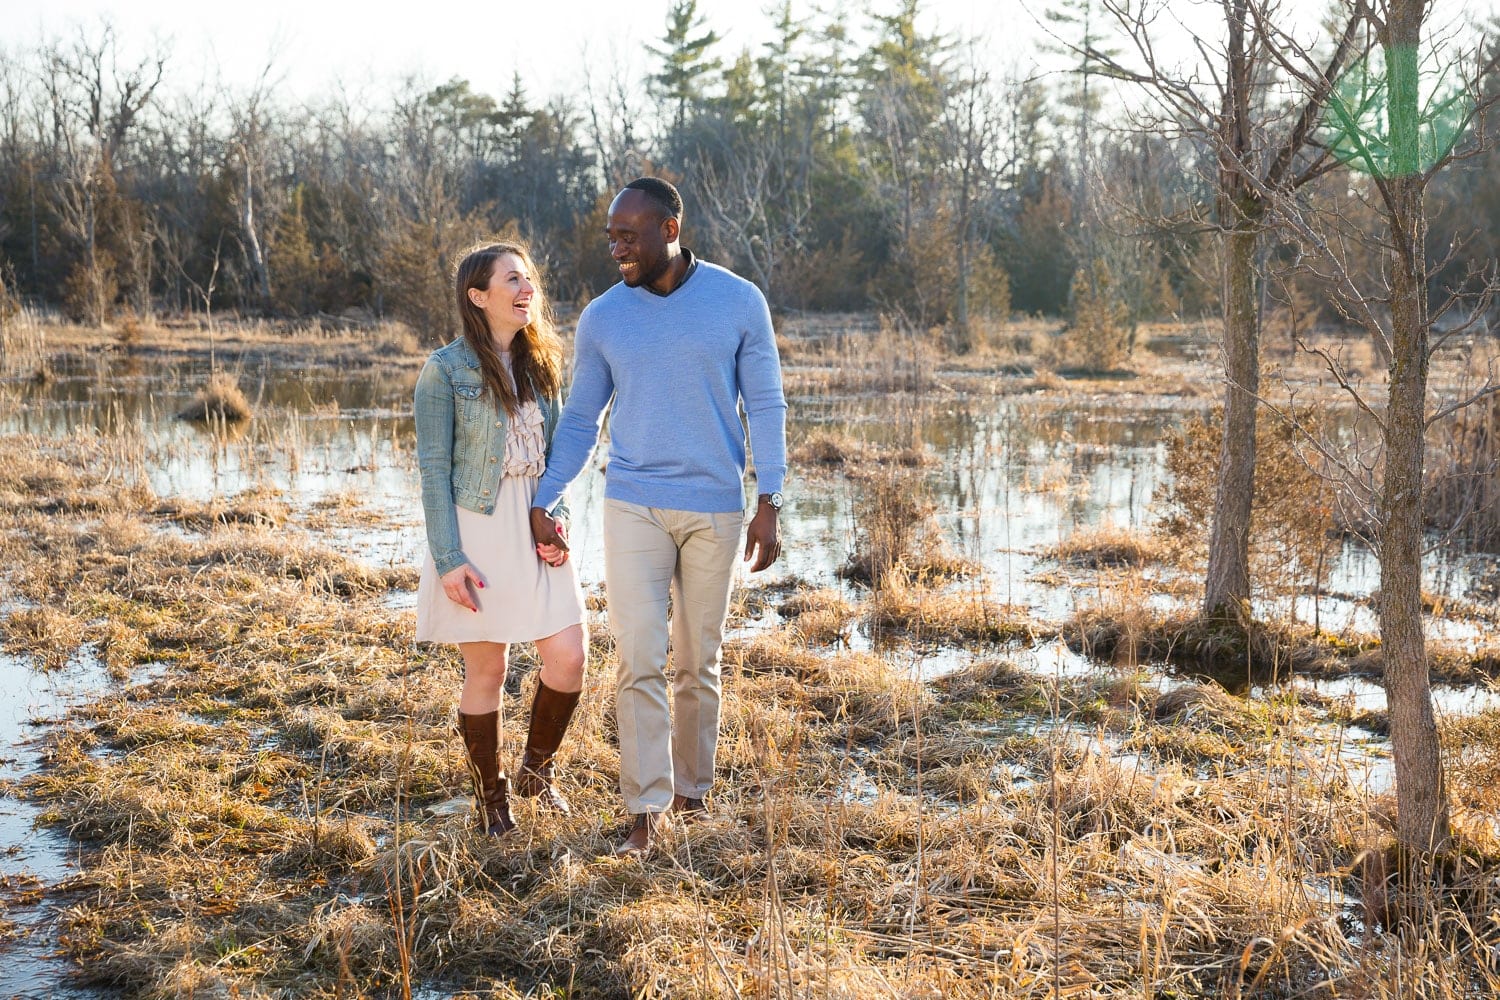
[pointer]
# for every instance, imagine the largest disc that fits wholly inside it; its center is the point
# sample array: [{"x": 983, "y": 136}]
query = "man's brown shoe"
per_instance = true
[
  {"x": 643, "y": 834},
  {"x": 690, "y": 809}
]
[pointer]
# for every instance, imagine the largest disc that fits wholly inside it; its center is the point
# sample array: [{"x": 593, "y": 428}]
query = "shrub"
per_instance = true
[
  {"x": 306, "y": 276},
  {"x": 1465, "y": 490},
  {"x": 898, "y": 534},
  {"x": 220, "y": 401},
  {"x": 1097, "y": 338},
  {"x": 415, "y": 274},
  {"x": 1292, "y": 508},
  {"x": 90, "y": 290},
  {"x": 10, "y": 303},
  {"x": 128, "y": 331}
]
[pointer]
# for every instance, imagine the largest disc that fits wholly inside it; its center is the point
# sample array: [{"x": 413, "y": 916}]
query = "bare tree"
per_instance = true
[
  {"x": 248, "y": 143},
  {"x": 94, "y": 104},
  {"x": 969, "y": 129},
  {"x": 753, "y": 208},
  {"x": 1389, "y": 136},
  {"x": 1261, "y": 152},
  {"x": 614, "y": 123},
  {"x": 176, "y": 248}
]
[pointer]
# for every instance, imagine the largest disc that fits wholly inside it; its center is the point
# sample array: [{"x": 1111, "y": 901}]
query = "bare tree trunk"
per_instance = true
[
  {"x": 1422, "y": 822},
  {"x": 252, "y": 241},
  {"x": 1227, "y": 585},
  {"x": 964, "y": 342}
]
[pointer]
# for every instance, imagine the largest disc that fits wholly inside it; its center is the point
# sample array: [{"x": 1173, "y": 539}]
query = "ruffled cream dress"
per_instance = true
[{"x": 523, "y": 598}]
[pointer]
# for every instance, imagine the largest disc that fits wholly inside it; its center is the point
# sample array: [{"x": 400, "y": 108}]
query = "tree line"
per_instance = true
[{"x": 852, "y": 162}]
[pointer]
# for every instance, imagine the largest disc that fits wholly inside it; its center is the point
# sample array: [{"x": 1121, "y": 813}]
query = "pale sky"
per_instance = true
[{"x": 375, "y": 42}]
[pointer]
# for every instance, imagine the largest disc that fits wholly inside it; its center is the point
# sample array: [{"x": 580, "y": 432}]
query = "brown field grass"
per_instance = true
[
  {"x": 219, "y": 401},
  {"x": 847, "y": 453},
  {"x": 258, "y": 811},
  {"x": 259, "y": 805},
  {"x": 1107, "y": 546}
]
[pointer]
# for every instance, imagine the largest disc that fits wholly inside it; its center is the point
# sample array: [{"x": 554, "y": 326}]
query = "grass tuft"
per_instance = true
[
  {"x": 219, "y": 401},
  {"x": 1107, "y": 546}
]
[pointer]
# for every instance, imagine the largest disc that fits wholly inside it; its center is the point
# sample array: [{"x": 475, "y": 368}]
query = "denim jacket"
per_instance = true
[{"x": 461, "y": 446}]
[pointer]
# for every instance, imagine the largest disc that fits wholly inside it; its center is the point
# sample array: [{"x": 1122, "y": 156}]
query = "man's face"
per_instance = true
[{"x": 638, "y": 238}]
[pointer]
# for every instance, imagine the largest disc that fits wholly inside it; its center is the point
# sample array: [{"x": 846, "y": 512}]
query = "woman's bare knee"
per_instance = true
[{"x": 564, "y": 657}]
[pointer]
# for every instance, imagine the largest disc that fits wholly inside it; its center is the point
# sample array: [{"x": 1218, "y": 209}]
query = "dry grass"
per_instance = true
[
  {"x": 819, "y": 616},
  {"x": 839, "y": 450},
  {"x": 49, "y": 636},
  {"x": 262, "y": 507},
  {"x": 954, "y": 617},
  {"x": 1107, "y": 546},
  {"x": 24, "y": 345},
  {"x": 219, "y": 401},
  {"x": 1465, "y": 490},
  {"x": 898, "y": 535},
  {"x": 1125, "y": 630},
  {"x": 256, "y": 819},
  {"x": 890, "y": 360},
  {"x": 1047, "y": 380},
  {"x": 1453, "y": 663}
]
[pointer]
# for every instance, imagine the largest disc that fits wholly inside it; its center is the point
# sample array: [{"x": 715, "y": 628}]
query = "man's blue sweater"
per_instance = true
[{"x": 677, "y": 366}]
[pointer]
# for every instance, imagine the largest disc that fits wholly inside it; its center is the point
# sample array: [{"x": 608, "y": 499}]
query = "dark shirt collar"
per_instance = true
[{"x": 692, "y": 265}]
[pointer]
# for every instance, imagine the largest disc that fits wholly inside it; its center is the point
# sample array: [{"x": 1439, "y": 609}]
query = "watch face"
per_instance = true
[{"x": 776, "y": 500}]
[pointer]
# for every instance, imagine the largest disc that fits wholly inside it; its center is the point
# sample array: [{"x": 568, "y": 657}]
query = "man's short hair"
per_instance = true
[{"x": 661, "y": 194}]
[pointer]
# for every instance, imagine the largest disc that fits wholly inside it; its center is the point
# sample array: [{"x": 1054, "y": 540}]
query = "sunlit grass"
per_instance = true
[{"x": 256, "y": 812}]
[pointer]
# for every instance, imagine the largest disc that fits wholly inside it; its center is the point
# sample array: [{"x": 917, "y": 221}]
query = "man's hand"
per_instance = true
[
  {"x": 547, "y": 532},
  {"x": 762, "y": 538},
  {"x": 462, "y": 585}
]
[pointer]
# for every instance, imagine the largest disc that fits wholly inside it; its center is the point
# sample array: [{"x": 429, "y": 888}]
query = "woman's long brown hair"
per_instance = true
[{"x": 535, "y": 354}]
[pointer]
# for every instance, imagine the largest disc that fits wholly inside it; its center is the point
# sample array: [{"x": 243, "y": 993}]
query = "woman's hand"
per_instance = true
[
  {"x": 554, "y": 555},
  {"x": 462, "y": 585}
]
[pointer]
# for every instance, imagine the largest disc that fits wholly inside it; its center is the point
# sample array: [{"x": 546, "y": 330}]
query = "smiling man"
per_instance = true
[{"x": 678, "y": 346}]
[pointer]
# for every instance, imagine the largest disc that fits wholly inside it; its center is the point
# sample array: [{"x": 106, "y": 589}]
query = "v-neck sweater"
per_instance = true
[{"x": 677, "y": 368}]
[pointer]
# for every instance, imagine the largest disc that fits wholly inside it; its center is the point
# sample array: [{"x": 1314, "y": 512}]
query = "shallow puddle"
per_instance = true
[{"x": 34, "y": 856}]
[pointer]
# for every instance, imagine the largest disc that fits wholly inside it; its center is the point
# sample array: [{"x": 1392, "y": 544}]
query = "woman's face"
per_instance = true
[{"x": 507, "y": 301}]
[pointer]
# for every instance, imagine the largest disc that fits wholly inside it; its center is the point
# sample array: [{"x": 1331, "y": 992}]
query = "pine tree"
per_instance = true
[
  {"x": 685, "y": 60},
  {"x": 903, "y": 76}
]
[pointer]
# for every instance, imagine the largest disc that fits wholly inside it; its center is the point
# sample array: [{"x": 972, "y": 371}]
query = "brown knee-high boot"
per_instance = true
[
  {"x": 550, "y": 713},
  {"x": 481, "y": 735}
]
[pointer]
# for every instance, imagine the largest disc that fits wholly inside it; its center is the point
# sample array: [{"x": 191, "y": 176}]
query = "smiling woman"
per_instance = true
[{"x": 486, "y": 405}]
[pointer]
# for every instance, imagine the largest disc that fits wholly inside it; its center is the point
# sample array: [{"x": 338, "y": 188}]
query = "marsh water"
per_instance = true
[{"x": 1014, "y": 472}]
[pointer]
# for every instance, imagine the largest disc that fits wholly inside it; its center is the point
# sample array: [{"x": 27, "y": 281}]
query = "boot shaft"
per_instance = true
[{"x": 481, "y": 737}]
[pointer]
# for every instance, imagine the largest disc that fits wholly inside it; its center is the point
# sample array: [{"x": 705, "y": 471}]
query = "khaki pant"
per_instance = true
[{"x": 649, "y": 551}]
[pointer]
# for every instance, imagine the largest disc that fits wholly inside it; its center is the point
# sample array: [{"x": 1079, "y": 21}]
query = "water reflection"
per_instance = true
[{"x": 1012, "y": 473}]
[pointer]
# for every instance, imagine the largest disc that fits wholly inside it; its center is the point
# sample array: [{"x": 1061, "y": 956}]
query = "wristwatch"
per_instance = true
[{"x": 774, "y": 499}]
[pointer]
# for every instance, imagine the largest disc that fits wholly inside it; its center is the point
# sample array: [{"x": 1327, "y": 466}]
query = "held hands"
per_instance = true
[
  {"x": 550, "y": 536},
  {"x": 555, "y": 555},
  {"x": 462, "y": 585},
  {"x": 762, "y": 538}
]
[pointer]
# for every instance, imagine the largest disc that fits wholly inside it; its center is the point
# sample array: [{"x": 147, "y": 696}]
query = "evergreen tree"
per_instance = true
[
  {"x": 685, "y": 59},
  {"x": 902, "y": 99}
]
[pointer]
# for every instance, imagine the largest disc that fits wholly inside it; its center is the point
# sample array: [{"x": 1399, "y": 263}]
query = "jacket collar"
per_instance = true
[
  {"x": 465, "y": 352},
  {"x": 465, "y": 355}
]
